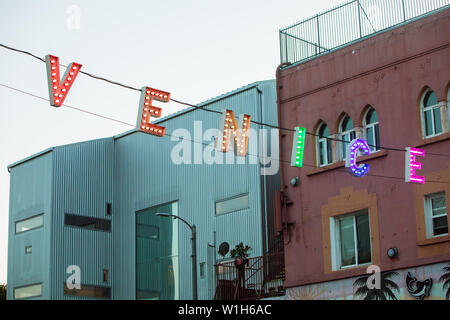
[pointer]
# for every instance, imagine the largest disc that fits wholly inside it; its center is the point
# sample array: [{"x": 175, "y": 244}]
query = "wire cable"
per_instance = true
[
  {"x": 22, "y": 51},
  {"x": 208, "y": 110},
  {"x": 193, "y": 141},
  {"x": 68, "y": 106}
]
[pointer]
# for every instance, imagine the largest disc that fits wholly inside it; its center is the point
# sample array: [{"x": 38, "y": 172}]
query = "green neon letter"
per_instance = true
[{"x": 298, "y": 147}]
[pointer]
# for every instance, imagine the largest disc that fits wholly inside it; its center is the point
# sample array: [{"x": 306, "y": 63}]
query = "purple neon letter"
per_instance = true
[{"x": 352, "y": 154}]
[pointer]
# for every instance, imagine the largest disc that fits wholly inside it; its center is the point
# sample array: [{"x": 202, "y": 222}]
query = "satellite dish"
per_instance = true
[{"x": 223, "y": 248}]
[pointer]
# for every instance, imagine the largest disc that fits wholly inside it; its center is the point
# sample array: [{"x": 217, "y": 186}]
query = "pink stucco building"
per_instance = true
[{"x": 392, "y": 90}]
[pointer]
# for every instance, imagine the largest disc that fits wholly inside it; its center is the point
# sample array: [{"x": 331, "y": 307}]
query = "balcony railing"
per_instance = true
[
  {"x": 349, "y": 22},
  {"x": 261, "y": 277}
]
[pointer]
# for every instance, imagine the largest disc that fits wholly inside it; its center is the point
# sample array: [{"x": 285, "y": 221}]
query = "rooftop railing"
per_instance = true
[{"x": 349, "y": 22}]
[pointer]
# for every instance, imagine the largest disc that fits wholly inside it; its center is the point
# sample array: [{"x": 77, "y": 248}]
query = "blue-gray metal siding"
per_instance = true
[
  {"x": 30, "y": 195},
  {"x": 146, "y": 177},
  {"x": 135, "y": 172},
  {"x": 82, "y": 184}
]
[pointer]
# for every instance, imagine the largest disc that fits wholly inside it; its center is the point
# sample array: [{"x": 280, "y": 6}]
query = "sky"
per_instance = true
[{"x": 196, "y": 50}]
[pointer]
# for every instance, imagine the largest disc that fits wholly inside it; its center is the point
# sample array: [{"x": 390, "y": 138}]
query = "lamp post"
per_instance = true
[{"x": 194, "y": 251}]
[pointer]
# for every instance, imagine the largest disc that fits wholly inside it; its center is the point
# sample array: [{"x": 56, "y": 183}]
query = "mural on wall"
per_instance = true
[
  {"x": 445, "y": 278},
  {"x": 391, "y": 287},
  {"x": 418, "y": 289},
  {"x": 307, "y": 293},
  {"x": 386, "y": 291}
]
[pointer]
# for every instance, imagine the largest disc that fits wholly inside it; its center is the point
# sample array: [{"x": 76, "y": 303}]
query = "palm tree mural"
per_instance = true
[
  {"x": 446, "y": 279},
  {"x": 384, "y": 293}
]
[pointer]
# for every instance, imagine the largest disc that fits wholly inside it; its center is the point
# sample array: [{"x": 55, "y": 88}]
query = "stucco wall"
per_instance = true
[{"x": 388, "y": 72}]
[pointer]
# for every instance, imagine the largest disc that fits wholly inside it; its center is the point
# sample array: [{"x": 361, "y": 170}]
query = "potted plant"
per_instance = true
[{"x": 240, "y": 255}]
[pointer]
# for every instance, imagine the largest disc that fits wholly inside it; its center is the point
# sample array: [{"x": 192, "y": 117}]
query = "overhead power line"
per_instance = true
[
  {"x": 193, "y": 141},
  {"x": 206, "y": 109}
]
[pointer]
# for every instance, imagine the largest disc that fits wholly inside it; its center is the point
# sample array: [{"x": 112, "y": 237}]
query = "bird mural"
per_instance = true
[{"x": 418, "y": 289}]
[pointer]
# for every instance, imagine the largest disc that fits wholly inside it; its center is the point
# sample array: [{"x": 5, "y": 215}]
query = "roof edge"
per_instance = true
[
  {"x": 34, "y": 156},
  {"x": 215, "y": 99},
  {"x": 369, "y": 36},
  {"x": 48, "y": 150},
  {"x": 132, "y": 131}
]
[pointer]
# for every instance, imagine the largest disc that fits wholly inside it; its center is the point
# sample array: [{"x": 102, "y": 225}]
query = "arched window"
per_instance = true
[
  {"x": 346, "y": 133},
  {"x": 432, "y": 122},
  {"x": 323, "y": 147},
  {"x": 371, "y": 129}
]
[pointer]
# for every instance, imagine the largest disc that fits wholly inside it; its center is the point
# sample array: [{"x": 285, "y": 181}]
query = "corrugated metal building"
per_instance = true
[{"x": 93, "y": 205}]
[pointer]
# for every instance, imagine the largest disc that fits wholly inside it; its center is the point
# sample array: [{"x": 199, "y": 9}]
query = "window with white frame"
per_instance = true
[
  {"x": 431, "y": 115},
  {"x": 323, "y": 146},
  {"x": 352, "y": 245},
  {"x": 346, "y": 133},
  {"x": 436, "y": 215},
  {"x": 371, "y": 129}
]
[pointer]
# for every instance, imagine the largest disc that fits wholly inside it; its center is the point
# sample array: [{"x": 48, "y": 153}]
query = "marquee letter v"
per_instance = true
[{"x": 58, "y": 89}]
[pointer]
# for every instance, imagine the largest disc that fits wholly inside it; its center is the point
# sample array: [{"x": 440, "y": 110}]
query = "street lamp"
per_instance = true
[{"x": 194, "y": 251}]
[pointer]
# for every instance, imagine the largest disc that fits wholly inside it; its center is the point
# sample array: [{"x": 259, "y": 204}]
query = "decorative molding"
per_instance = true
[
  {"x": 428, "y": 247},
  {"x": 341, "y": 164},
  {"x": 425, "y": 142},
  {"x": 349, "y": 201},
  {"x": 362, "y": 74}
]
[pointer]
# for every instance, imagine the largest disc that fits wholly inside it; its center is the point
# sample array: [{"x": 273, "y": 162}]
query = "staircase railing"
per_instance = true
[{"x": 261, "y": 277}]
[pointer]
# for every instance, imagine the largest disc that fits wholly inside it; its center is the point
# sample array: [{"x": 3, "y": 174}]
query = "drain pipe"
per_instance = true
[
  {"x": 277, "y": 77},
  {"x": 284, "y": 200}
]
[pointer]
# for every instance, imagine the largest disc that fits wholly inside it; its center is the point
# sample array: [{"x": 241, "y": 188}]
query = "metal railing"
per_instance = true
[
  {"x": 261, "y": 277},
  {"x": 349, "y": 22}
]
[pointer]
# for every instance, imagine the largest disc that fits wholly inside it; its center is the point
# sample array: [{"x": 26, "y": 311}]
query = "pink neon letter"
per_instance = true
[{"x": 411, "y": 165}]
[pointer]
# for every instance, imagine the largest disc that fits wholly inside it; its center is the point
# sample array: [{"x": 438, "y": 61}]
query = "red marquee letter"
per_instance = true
[
  {"x": 147, "y": 110},
  {"x": 58, "y": 91},
  {"x": 231, "y": 128}
]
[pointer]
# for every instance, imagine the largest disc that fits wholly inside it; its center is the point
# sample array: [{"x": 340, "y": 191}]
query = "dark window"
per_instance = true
[
  {"x": 436, "y": 208},
  {"x": 202, "y": 270},
  {"x": 89, "y": 291},
  {"x": 324, "y": 131},
  {"x": 354, "y": 239},
  {"x": 87, "y": 222},
  {"x": 108, "y": 209},
  {"x": 372, "y": 130},
  {"x": 432, "y": 111},
  {"x": 324, "y": 147},
  {"x": 105, "y": 275},
  {"x": 430, "y": 99}
]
